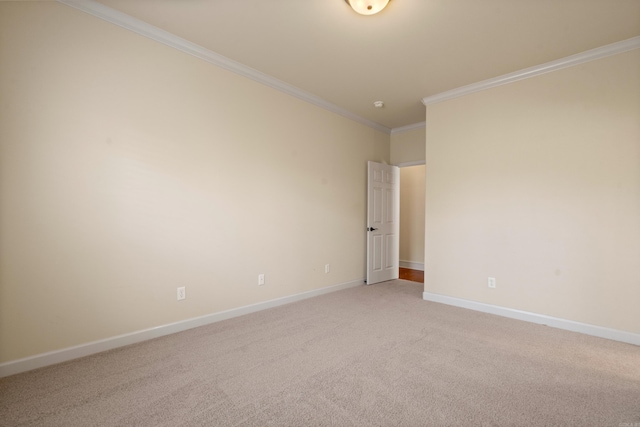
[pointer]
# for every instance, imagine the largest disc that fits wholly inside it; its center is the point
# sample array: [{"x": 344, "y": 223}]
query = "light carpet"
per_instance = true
[{"x": 368, "y": 356}]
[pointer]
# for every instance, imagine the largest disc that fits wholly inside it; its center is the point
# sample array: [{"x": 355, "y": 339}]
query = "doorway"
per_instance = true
[{"x": 412, "y": 217}]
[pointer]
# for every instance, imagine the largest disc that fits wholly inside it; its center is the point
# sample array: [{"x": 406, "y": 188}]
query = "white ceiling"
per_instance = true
[{"x": 412, "y": 49}]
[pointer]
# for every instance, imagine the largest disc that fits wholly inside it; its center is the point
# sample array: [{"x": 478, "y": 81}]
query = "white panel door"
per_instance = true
[{"x": 383, "y": 222}]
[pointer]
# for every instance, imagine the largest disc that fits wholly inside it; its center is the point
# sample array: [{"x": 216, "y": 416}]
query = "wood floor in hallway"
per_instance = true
[{"x": 412, "y": 275}]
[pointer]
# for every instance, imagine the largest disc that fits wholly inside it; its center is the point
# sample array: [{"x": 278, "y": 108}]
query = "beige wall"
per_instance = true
[
  {"x": 129, "y": 169},
  {"x": 408, "y": 146},
  {"x": 537, "y": 183},
  {"x": 412, "y": 214}
]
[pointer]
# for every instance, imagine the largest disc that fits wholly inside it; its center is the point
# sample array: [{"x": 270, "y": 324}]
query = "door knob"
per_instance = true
[{"x": 371, "y": 229}]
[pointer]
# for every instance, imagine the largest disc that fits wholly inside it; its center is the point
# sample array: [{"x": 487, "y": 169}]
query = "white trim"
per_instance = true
[
  {"x": 408, "y": 128},
  {"x": 412, "y": 265},
  {"x": 569, "y": 61},
  {"x": 414, "y": 163},
  {"x": 137, "y": 26},
  {"x": 70, "y": 353},
  {"x": 541, "y": 319}
]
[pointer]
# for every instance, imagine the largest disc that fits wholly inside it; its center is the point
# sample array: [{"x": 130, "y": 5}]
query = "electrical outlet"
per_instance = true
[
  {"x": 491, "y": 282},
  {"x": 260, "y": 279},
  {"x": 327, "y": 268},
  {"x": 182, "y": 294}
]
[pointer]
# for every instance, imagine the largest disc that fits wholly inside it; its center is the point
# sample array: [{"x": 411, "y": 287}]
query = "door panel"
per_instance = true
[
  {"x": 377, "y": 206},
  {"x": 390, "y": 263},
  {"x": 377, "y": 249}
]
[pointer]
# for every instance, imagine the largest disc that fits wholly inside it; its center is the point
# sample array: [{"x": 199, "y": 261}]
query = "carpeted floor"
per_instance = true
[{"x": 367, "y": 356}]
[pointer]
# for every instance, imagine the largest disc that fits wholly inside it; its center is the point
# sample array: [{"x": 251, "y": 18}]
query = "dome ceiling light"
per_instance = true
[{"x": 367, "y": 7}]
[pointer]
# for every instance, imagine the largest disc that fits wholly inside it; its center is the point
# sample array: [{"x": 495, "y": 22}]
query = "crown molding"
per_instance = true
[
  {"x": 408, "y": 128},
  {"x": 137, "y": 26},
  {"x": 569, "y": 61},
  {"x": 405, "y": 165}
]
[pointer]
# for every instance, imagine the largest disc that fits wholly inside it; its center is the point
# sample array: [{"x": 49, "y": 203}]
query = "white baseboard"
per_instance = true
[
  {"x": 412, "y": 265},
  {"x": 70, "y": 353},
  {"x": 541, "y": 319}
]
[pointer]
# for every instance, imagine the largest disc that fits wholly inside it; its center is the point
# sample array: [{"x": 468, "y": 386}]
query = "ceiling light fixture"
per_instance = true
[{"x": 367, "y": 7}]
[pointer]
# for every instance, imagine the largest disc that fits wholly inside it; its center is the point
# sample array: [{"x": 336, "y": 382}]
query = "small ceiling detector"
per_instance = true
[{"x": 378, "y": 104}]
